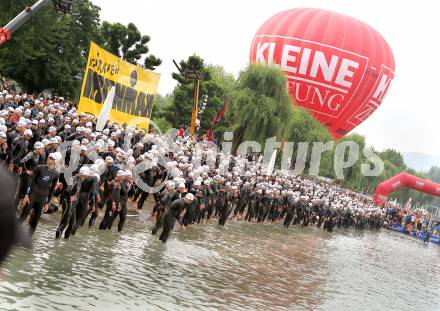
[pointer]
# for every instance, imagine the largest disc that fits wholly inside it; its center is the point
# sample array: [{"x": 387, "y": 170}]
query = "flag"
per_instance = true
[
  {"x": 135, "y": 88},
  {"x": 220, "y": 114},
  {"x": 271, "y": 165},
  {"x": 105, "y": 111}
]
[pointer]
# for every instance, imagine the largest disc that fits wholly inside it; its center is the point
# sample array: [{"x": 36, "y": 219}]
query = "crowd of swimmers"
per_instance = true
[{"x": 191, "y": 183}]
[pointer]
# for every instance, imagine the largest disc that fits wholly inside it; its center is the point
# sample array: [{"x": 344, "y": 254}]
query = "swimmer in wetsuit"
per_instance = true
[
  {"x": 39, "y": 194},
  {"x": 68, "y": 219},
  {"x": 172, "y": 214}
]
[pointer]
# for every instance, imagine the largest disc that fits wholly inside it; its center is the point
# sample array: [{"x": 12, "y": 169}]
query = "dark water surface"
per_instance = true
[{"x": 244, "y": 266}]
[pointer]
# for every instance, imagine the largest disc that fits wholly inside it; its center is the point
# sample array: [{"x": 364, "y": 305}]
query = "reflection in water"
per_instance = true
[{"x": 240, "y": 267}]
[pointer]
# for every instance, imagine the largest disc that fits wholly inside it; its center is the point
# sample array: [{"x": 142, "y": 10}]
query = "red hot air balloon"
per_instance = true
[{"x": 338, "y": 68}]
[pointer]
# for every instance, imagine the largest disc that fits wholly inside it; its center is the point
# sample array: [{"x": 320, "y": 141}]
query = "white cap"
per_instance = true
[
  {"x": 28, "y": 132},
  {"x": 56, "y": 156},
  {"x": 119, "y": 150},
  {"x": 128, "y": 173},
  {"x": 38, "y": 145},
  {"x": 181, "y": 185},
  {"x": 53, "y": 140},
  {"x": 190, "y": 197},
  {"x": 94, "y": 169},
  {"x": 121, "y": 173},
  {"x": 35, "y": 122},
  {"x": 109, "y": 159},
  {"x": 2, "y": 135},
  {"x": 84, "y": 171}
]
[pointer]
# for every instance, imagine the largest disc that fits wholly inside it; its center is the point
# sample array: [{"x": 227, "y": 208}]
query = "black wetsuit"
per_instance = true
[
  {"x": 226, "y": 209},
  {"x": 252, "y": 194},
  {"x": 29, "y": 163},
  {"x": 241, "y": 204},
  {"x": 113, "y": 197},
  {"x": 149, "y": 178},
  {"x": 93, "y": 203},
  {"x": 106, "y": 179},
  {"x": 68, "y": 219},
  {"x": 164, "y": 204},
  {"x": 19, "y": 148},
  {"x": 121, "y": 206},
  {"x": 40, "y": 193},
  {"x": 205, "y": 203},
  {"x": 190, "y": 212},
  {"x": 88, "y": 185},
  {"x": 169, "y": 219}
]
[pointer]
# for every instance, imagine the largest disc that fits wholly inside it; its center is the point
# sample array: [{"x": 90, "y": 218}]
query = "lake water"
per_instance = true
[{"x": 243, "y": 266}]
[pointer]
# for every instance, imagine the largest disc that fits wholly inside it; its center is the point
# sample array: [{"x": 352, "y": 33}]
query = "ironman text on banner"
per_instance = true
[{"x": 135, "y": 88}]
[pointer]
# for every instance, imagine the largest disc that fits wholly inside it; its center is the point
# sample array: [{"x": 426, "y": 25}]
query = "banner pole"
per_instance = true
[
  {"x": 195, "y": 106},
  {"x": 19, "y": 20}
]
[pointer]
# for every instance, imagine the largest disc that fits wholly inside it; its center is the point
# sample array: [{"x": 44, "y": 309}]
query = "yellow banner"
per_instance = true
[{"x": 135, "y": 87}]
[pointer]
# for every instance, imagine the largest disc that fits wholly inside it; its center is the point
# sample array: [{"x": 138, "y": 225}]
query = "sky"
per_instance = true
[{"x": 221, "y": 32}]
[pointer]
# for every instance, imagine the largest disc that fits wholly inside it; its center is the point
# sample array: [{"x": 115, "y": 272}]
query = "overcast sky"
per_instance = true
[{"x": 222, "y": 31}]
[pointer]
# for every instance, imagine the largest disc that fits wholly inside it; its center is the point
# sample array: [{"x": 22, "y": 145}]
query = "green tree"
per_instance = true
[
  {"x": 128, "y": 43},
  {"x": 394, "y": 157},
  {"x": 216, "y": 83},
  {"x": 49, "y": 51},
  {"x": 302, "y": 127},
  {"x": 180, "y": 110},
  {"x": 158, "y": 116},
  {"x": 260, "y": 105},
  {"x": 217, "y": 88},
  {"x": 434, "y": 174}
]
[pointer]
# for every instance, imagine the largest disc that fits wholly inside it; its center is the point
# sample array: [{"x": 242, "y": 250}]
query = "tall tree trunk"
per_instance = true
[{"x": 238, "y": 138}]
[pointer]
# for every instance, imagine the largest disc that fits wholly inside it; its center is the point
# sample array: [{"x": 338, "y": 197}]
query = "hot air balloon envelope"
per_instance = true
[{"x": 338, "y": 68}]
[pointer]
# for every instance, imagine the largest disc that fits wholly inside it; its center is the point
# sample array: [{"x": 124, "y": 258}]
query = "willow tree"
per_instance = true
[{"x": 260, "y": 106}]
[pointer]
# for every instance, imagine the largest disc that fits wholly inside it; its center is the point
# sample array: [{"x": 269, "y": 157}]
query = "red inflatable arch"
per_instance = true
[{"x": 404, "y": 180}]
